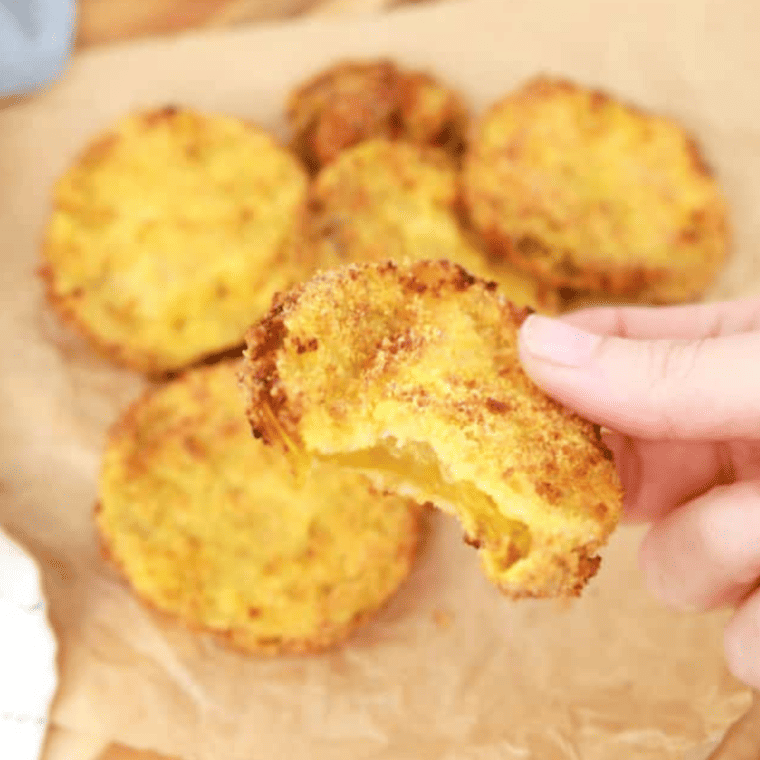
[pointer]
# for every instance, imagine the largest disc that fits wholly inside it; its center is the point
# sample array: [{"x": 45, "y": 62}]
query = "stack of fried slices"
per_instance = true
[{"x": 381, "y": 263}]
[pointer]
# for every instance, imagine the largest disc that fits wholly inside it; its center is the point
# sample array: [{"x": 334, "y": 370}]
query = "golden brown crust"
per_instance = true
[
  {"x": 614, "y": 279},
  {"x": 142, "y": 213},
  {"x": 322, "y": 641},
  {"x": 183, "y": 444},
  {"x": 266, "y": 338},
  {"x": 117, "y": 353},
  {"x": 356, "y": 100},
  {"x": 387, "y": 199},
  {"x": 592, "y": 194},
  {"x": 415, "y": 376}
]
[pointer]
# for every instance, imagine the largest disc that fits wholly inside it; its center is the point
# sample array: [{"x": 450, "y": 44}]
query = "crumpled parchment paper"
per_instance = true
[{"x": 450, "y": 670}]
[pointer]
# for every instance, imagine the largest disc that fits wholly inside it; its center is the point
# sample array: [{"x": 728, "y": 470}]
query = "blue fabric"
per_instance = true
[{"x": 35, "y": 43}]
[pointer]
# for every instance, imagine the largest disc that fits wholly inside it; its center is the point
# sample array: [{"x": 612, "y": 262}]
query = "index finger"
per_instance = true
[{"x": 710, "y": 320}]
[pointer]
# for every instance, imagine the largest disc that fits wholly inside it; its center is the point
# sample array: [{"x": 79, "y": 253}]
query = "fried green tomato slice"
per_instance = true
[
  {"x": 592, "y": 194},
  {"x": 384, "y": 199},
  {"x": 410, "y": 373},
  {"x": 210, "y": 527},
  {"x": 170, "y": 234},
  {"x": 356, "y": 100}
]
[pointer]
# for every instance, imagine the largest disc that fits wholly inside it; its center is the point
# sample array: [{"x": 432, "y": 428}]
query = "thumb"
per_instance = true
[{"x": 706, "y": 389}]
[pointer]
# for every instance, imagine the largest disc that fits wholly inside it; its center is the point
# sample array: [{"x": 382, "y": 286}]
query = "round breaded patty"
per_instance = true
[
  {"x": 169, "y": 236},
  {"x": 387, "y": 199},
  {"x": 410, "y": 373},
  {"x": 589, "y": 193},
  {"x": 353, "y": 101},
  {"x": 210, "y": 526}
]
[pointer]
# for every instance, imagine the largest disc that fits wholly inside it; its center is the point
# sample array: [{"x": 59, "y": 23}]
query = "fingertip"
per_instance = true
[
  {"x": 555, "y": 342},
  {"x": 585, "y": 371},
  {"x": 524, "y": 343},
  {"x": 741, "y": 641}
]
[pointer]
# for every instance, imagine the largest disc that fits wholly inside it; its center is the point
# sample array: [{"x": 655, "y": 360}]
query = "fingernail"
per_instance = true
[{"x": 557, "y": 342}]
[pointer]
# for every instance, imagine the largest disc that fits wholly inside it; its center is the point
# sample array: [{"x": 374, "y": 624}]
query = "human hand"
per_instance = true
[{"x": 680, "y": 388}]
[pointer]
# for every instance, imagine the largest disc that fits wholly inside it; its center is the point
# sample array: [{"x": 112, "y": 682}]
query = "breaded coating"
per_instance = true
[
  {"x": 209, "y": 525},
  {"x": 589, "y": 193},
  {"x": 574, "y": 300},
  {"x": 410, "y": 374},
  {"x": 170, "y": 234},
  {"x": 353, "y": 101},
  {"x": 387, "y": 199}
]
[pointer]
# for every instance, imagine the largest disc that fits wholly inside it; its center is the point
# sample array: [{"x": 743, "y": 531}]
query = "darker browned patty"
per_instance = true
[{"x": 355, "y": 100}]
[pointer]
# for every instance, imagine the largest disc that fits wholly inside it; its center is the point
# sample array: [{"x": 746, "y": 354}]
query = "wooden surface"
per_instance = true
[{"x": 104, "y": 21}]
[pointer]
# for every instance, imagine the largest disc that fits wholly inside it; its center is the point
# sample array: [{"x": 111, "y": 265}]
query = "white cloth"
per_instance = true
[{"x": 28, "y": 674}]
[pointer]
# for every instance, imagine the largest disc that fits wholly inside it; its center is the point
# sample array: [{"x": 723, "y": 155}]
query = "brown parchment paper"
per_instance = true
[{"x": 450, "y": 670}]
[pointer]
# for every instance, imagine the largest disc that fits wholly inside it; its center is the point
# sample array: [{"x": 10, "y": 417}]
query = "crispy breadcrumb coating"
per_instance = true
[
  {"x": 410, "y": 373},
  {"x": 592, "y": 194},
  {"x": 170, "y": 234},
  {"x": 209, "y": 526}
]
